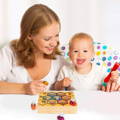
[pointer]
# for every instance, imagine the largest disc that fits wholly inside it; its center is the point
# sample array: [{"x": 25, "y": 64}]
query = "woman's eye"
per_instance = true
[
  {"x": 46, "y": 39},
  {"x": 57, "y": 35}
]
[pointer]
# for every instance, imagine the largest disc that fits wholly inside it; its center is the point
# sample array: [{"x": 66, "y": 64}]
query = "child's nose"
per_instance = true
[{"x": 80, "y": 54}]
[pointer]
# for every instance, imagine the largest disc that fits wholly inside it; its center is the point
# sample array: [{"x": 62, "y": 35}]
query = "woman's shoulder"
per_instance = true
[
  {"x": 6, "y": 53},
  {"x": 6, "y": 49}
]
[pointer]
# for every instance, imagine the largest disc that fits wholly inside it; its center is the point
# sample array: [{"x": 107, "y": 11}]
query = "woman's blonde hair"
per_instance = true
[{"x": 34, "y": 19}]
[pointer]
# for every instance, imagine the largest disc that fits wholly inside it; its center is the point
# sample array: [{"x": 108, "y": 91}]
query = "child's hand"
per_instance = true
[
  {"x": 114, "y": 75},
  {"x": 66, "y": 82}
]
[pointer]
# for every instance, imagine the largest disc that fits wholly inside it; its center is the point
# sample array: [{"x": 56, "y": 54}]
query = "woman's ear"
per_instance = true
[{"x": 29, "y": 37}]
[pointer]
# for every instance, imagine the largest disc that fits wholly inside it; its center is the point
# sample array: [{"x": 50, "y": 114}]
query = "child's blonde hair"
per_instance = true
[{"x": 80, "y": 36}]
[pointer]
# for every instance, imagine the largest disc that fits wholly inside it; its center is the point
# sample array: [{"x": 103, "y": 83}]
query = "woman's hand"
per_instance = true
[
  {"x": 114, "y": 75},
  {"x": 35, "y": 87},
  {"x": 111, "y": 86}
]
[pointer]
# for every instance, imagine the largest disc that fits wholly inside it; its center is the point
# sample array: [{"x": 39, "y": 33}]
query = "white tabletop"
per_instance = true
[{"x": 91, "y": 106}]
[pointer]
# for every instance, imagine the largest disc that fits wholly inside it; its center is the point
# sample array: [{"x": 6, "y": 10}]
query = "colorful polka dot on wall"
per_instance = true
[
  {"x": 108, "y": 56},
  {"x": 105, "y": 55}
]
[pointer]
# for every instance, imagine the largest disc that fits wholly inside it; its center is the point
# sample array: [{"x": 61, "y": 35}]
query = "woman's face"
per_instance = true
[{"x": 47, "y": 38}]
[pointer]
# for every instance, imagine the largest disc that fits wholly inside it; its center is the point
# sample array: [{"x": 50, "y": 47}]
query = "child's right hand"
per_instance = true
[
  {"x": 66, "y": 82},
  {"x": 35, "y": 87}
]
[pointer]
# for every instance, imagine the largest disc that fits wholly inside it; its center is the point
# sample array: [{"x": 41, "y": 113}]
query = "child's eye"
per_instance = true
[
  {"x": 85, "y": 51},
  {"x": 75, "y": 51}
]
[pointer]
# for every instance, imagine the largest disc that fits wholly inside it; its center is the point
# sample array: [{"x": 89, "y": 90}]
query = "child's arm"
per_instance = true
[{"x": 60, "y": 85}]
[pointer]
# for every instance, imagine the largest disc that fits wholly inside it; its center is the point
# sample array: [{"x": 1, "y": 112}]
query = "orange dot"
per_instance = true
[{"x": 104, "y": 52}]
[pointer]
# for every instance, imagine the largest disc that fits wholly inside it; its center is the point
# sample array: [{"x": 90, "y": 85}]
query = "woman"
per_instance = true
[{"x": 34, "y": 57}]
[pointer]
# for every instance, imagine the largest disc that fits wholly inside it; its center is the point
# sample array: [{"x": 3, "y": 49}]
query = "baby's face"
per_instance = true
[{"x": 81, "y": 52}]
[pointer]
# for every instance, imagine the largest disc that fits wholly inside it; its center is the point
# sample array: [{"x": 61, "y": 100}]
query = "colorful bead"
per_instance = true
[
  {"x": 60, "y": 117},
  {"x": 104, "y": 84},
  {"x": 73, "y": 103},
  {"x": 45, "y": 82},
  {"x": 33, "y": 106}
]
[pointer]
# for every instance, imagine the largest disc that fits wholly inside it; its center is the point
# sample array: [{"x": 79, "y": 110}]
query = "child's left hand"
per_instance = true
[{"x": 114, "y": 75}]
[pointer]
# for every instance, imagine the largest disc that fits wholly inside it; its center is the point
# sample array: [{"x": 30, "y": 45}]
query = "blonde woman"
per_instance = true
[{"x": 33, "y": 58}]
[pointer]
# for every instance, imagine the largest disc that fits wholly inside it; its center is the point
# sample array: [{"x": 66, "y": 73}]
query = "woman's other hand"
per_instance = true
[
  {"x": 111, "y": 86},
  {"x": 114, "y": 75}
]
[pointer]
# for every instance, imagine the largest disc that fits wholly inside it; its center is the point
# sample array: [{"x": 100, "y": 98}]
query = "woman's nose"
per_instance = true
[{"x": 53, "y": 43}]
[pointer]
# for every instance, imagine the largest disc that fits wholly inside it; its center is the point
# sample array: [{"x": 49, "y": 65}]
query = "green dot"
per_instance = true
[{"x": 104, "y": 84}]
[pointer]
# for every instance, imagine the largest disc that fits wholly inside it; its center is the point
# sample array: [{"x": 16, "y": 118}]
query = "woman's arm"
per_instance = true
[
  {"x": 31, "y": 88},
  {"x": 12, "y": 88}
]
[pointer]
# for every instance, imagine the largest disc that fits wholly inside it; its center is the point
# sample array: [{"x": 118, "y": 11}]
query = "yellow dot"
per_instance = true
[
  {"x": 104, "y": 64},
  {"x": 98, "y": 53}
]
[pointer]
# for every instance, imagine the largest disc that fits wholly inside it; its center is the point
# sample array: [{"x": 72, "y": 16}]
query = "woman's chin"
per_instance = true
[{"x": 48, "y": 52}]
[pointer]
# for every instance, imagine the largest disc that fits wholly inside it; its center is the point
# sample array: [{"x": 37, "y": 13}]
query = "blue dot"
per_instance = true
[
  {"x": 63, "y": 48},
  {"x": 98, "y": 63},
  {"x": 110, "y": 58},
  {"x": 108, "y": 70},
  {"x": 103, "y": 58},
  {"x": 104, "y": 47}
]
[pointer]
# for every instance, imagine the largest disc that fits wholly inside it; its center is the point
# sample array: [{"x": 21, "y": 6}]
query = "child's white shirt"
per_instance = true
[{"x": 90, "y": 81}]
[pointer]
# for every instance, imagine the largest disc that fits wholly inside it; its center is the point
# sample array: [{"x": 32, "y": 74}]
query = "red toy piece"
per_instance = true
[
  {"x": 60, "y": 117},
  {"x": 33, "y": 106},
  {"x": 73, "y": 103}
]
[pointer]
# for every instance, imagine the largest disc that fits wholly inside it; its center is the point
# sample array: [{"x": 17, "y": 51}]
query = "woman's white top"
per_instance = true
[
  {"x": 90, "y": 81},
  {"x": 11, "y": 72}
]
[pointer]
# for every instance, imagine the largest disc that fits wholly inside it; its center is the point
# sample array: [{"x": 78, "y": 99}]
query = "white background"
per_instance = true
[{"x": 100, "y": 18}]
